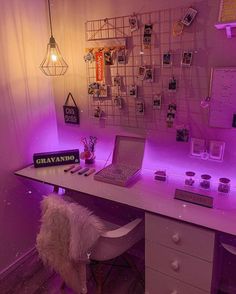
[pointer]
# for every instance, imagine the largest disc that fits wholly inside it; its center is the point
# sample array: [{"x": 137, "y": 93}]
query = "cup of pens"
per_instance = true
[{"x": 89, "y": 149}]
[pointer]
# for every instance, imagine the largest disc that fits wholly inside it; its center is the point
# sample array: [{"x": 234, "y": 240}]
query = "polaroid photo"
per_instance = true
[
  {"x": 97, "y": 112},
  {"x": 187, "y": 58},
  {"x": 172, "y": 84},
  {"x": 108, "y": 57},
  {"x": 93, "y": 88},
  {"x": 189, "y": 16},
  {"x": 147, "y": 36},
  {"x": 166, "y": 59},
  {"x": 156, "y": 103},
  {"x": 103, "y": 90},
  {"x": 89, "y": 57},
  {"x": 121, "y": 56},
  {"x": 117, "y": 81},
  {"x": 140, "y": 106},
  {"x": 148, "y": 74},
  {"x": 198, "y": 147},
  {"x": 216, "y": 150},
  {"x": 133, "y": 23},
  {"x": 182, "y": 135},
  {"x": 172, "y": 108},
  {"x": 133, "y": 90},
  {"x": 141, "y": 72},
  {"x": 118, "y": 101}
]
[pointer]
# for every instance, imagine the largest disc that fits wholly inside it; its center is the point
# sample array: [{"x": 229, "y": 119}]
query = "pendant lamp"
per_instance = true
[{"x": 53, "y": 63}]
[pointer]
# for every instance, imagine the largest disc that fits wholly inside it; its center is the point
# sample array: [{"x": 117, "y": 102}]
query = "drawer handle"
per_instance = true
[
  {"x": 176, "y": 238},
  {"x": 175, "y": 265}
]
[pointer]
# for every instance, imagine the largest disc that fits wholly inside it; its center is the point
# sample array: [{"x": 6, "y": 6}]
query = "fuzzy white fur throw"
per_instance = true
[{"x": 67, "y": 234}]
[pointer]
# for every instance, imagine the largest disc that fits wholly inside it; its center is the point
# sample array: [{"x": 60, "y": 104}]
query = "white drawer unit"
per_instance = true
[
  {"x": 180, "y": 236},
  {"x": 167, "y": 285},
  {"x": 178, "y": 257}
]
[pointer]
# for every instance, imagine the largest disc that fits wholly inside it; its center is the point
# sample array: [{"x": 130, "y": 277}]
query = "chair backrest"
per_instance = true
[{"x": 115, "y": 242}]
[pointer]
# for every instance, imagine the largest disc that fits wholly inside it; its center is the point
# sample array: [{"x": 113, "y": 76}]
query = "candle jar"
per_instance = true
[
  {"x": 205, "y": 181},
  {"x": 224, "y": 185},
  {"x": 189, "y": 181}
]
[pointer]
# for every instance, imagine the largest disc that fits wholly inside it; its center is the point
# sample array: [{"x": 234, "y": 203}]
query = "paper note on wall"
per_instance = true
[{"x": 223, "y": 97}]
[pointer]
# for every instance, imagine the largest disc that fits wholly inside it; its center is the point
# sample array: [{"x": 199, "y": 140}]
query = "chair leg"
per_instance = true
[
  {"x": 98, "y": 274},
  {"x": 134, "y": 267}
]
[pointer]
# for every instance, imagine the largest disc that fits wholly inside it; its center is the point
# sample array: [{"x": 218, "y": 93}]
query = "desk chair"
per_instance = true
[{"x": 112, "y": 242}]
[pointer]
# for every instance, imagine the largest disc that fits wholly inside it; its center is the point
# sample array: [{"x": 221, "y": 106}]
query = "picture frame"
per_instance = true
[
  {"x": 198, "y": 147},
  {"x": 216, "y": 150},
  {"x": 187, "y": 58},
  {"x": 117, "y": 80},
  {"x": 189, "y": 16},
  {"x": 121, "y": 56}
]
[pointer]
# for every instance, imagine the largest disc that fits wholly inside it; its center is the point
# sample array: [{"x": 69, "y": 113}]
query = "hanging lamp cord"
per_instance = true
[{"x": 50, "y": 18}]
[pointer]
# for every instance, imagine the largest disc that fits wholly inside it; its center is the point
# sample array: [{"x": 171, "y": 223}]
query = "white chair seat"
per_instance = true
[{"x": 116, "y": 241}]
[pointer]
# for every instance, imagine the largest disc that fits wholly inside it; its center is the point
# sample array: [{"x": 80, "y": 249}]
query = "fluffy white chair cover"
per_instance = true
[{"x": 67, "y": 234}]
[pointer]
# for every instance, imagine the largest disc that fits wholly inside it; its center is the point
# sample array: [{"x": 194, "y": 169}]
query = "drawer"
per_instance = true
[
  {"x": 186, "y": 268},
  {"x": 158, "y": 283},
  {"x": 180, "y": 236}
]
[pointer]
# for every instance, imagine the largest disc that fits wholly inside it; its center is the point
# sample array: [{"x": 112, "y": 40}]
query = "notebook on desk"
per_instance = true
[{"x": 126, "y": 161}]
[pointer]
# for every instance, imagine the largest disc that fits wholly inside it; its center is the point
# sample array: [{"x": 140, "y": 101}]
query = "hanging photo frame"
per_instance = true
[
  {"x": 147, "y": 36},
  {"x": 71, "y": 113},
  {"x": 166, "y": 59}
]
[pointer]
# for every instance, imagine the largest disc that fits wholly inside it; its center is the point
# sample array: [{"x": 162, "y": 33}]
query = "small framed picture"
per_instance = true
[
  {"x": 148, "y": 74},
  {"x": 166, "y": 59},
  {"x": 172, "y": 84},
  {"x": 141, "y": 72},
  {"x": 157, "y": 101},
  {"x": 93, "y": 89},
  {"x": 133, "y": 23},
  {"x": 216, "y": 150},
  {"x": 97, "y": 112},
  {"x": 133, "y": 90},
  {"x": 198, "y": 147},
  {"x": 140, "y": 107},
  {"x": 187, "y": 58}
]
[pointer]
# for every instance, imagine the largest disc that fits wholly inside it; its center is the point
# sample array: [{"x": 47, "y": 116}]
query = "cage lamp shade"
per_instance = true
[{"x": 53, "y": 63}]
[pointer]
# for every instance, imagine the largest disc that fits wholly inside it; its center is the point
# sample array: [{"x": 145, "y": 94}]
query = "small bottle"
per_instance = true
[
  {"x": 205, "y": 181},
  {"x": 224, "y": 185},
  {"x": 189, "y": 181}
]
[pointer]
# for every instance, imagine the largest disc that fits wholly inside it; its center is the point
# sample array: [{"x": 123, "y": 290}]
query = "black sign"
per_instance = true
[
  {"x": 56, "y": 158},
  {"x": 71, "y": 113}
]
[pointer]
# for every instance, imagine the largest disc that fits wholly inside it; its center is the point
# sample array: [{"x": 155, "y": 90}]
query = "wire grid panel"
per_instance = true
[{"x": 192, "y": 81}]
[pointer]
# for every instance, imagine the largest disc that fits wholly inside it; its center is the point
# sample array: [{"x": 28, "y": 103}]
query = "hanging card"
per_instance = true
[{"x": 71, "y": 113}]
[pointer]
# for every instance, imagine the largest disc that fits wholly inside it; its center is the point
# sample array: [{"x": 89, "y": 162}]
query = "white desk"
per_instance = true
[
  {"x": 196, "y": 249},
  {"x": 146, "y": 194}
]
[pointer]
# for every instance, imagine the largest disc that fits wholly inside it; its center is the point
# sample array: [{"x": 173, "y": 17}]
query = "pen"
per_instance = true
[
  {"x": 89, "y": 172},
  {"x": 82, "y": 171},
  {"x": 76, "y": 169},
  {"x": 69, "y": 168}
]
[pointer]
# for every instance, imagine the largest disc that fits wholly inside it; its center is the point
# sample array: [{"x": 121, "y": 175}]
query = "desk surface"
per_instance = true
[{"x": 147, "y": 194}]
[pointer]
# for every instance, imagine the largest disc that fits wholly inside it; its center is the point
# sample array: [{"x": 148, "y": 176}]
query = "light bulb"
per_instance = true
[{"x": 53, "y": 57}]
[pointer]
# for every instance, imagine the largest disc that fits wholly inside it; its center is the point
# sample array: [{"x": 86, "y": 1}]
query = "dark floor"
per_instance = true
[{"x": 122, "y": 280}]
